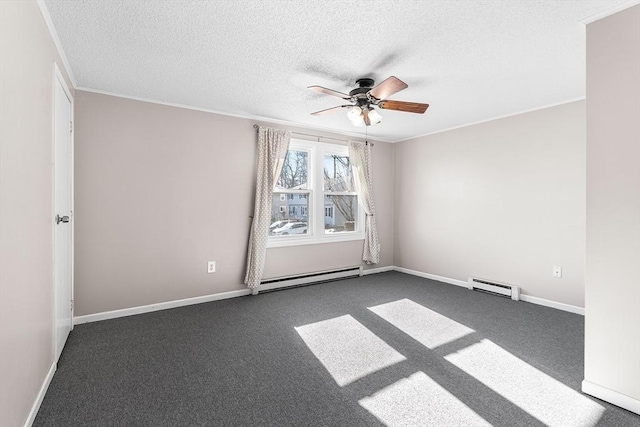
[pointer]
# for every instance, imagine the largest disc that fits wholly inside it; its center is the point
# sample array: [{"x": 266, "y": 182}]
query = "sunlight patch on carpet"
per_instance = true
[
  {"x": 540, "y": 395},
  {"x": 347, "y": 349},
  {"x": 426, "y": 326},
  {"x": 420, "y": 401}
]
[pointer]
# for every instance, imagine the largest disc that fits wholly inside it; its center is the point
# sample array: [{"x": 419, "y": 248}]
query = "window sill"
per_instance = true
[{"x": 311, "y": 240}]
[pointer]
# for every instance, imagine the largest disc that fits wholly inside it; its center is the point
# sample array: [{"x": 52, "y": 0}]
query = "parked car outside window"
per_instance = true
[
  {"x": 291, "y": 228},
  {"x": 279, "y": 224}
]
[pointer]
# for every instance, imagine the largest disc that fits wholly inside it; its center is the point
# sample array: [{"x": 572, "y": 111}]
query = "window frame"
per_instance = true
[{"x": 315, "y": 189}]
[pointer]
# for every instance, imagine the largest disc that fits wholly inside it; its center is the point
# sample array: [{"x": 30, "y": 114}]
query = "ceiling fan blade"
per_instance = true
[
  {"x": 330, "y": 110},
  {"x": 388, "y": 87},
  {"x": 409, "y": 107},
  {"x": 326, "y": 91},
  {"x": 365, "y": 116}
]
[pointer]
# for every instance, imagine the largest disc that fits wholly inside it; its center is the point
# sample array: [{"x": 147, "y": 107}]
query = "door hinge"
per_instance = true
[
  {"x": 71, "y": 305},
  {"x": 70, "y": 126}
]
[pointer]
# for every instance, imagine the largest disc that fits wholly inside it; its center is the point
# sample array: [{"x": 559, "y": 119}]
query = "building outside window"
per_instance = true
[{"x": 328, "y": 213}]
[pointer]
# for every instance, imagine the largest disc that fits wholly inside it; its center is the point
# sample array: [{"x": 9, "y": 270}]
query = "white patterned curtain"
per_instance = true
[
  {"x": 272, "y": 150},
  {"x": 360, "y": 157}
]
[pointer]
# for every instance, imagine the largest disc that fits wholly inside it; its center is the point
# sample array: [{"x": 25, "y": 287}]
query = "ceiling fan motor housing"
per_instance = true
[{"x": 359, "y": 94}]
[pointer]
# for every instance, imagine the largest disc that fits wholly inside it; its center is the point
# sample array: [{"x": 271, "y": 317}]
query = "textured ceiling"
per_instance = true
[{"x": 470, "y": 60}]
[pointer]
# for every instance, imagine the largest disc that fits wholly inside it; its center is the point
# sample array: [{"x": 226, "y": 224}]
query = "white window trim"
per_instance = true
[{"x": 315, "y": 223}]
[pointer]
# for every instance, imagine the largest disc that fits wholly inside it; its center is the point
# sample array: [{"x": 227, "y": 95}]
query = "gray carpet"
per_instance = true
[{"x": 240, "y": 362}]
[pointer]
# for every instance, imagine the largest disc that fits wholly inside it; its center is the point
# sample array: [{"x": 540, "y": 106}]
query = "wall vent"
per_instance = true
[
  {"x": 308, "y": 279},
  {"x": 496, "y": 288}
]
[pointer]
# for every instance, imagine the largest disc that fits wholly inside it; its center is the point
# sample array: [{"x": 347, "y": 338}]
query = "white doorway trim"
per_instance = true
[{"x": 59, "y": 79}]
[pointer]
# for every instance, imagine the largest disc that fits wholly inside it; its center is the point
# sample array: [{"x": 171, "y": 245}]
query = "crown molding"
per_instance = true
[
  {"x": 56, "y": 40},
  {"x": 610, "y": 11}
]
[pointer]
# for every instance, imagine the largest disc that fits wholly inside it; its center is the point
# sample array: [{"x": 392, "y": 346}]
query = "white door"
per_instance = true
[{"x": 63, "y": 215}]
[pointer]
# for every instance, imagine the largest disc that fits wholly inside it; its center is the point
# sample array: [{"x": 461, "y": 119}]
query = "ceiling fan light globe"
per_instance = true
[
  {"x": 374, "y": 117},
  {"x": 358, "y": 122},
  {"x": 354, "y": 114}
]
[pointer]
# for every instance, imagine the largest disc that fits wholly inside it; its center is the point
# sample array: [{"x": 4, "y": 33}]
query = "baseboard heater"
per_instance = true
[
  {"x": 308, "y": 279},
  {"x": 495, "y": 288}
]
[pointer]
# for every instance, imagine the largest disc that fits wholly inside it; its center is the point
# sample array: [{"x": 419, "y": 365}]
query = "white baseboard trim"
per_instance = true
[
  {"x": 78, "y": 320},
  {"x": 553, "y": 304},
  {"x": 377, "y": 270},
  {"x": 239, "y": 293},
  {"x": 432, "y": 276},
  {"x": 40, "y": 397},
  {"x": 613, "y": 397},
  {"x": 159, "y": 306},
  {"x": 526, "y": 298}
]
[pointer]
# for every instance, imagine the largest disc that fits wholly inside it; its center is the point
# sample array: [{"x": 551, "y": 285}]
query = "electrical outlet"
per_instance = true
[
  {"x": 557, "y": 271},
  {"x": 211, "y": 267}
]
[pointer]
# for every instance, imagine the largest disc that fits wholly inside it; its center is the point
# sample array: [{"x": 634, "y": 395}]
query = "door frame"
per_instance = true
[{"x": 58, "y": 77}]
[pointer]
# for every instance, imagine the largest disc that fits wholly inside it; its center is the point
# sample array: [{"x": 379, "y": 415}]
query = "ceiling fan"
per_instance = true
[{"x": 365, "y": 97}]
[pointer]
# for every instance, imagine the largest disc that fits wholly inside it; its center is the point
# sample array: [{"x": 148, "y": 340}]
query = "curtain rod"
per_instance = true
[{"x": 256, "y": 127}]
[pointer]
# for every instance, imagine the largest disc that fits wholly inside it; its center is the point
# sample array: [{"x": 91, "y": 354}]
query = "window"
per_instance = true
[
  {"x": 291, "y": 195},
  {"x": 341, "y": 202},
  {"x": 314, "y": 199}
]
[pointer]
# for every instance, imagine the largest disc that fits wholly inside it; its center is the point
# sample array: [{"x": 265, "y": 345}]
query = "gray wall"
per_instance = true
[
  {"x": 612, "y": 324},
  {"x": 161, "y": 190},
  {"x": 501, "y": 200},
  {"x": 26, "y": 186}
]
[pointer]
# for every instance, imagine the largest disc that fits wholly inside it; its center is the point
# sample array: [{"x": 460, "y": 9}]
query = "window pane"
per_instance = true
[
  {"x": 294, "y": 171},
  {"x": 289, "y": 214},
  {"x": 337, "y": 173},
  {"x": 340, "y": 214}
]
